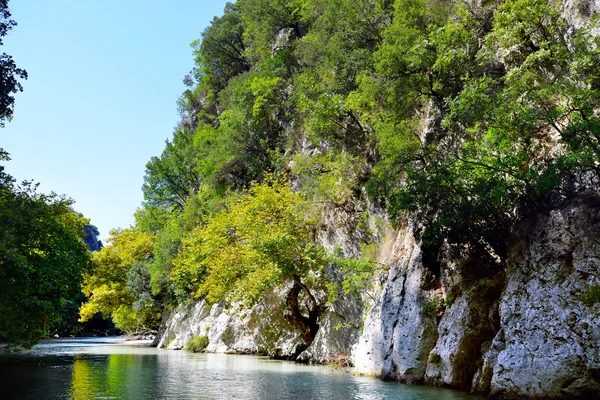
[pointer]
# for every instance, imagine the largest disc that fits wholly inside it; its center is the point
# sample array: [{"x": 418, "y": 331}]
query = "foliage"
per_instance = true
[
  {"x": 591, "y": 296},
  {"x": 42, "y": 258},
  {"x": 466, "y": 117},
  {"x": 220, "y": 55},
  {"x": 497, "y": 104},
  {"x": 9, "y": 73},
  {"x": 328, "y": 177},
  {"x": 262, "y": 240},
  {"x": 435, "y": 358},
  {"x": 197, "y": 344},
  {"x": 434, "y": 307},
  {"x": 354, "y": 275},
  {"x": 266, "y": 235},
  {"x": 450, "y": 299},
  {"x": 171, "y": 179},
  {"x": 265, "y": 19},
  {"x": 69, "y": 324},
  {"x": 118, "y": 284}
]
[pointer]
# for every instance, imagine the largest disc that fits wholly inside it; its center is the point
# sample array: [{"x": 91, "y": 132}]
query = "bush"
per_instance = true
[
  {"x": 197, "y": 344},
  {"x": 591, "y": 296},
  {"x": 434, "y": 307},
  {"x": 435, "y": 358}
]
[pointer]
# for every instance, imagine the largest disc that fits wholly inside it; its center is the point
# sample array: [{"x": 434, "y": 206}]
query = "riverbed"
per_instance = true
[{"x": 111, "y": 368}]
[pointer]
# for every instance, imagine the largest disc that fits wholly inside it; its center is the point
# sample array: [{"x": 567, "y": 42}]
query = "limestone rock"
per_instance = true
[
  {"x": 338, "y": 332},
  {"x": 261, "y": 329},
  {"x": 465, "y": 333},
  {"x": 397, "y": 335},
  {"x": 549, "y": 343},
  {"x": 91, "y": 238},
  {"x": 580, "y": 12}
]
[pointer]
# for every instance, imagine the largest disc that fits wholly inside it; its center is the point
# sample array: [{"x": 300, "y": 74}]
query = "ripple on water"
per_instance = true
[{"x": 107, "y": 368}]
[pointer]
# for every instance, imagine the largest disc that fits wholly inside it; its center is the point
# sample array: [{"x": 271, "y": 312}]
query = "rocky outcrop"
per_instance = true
[
  {"x": 523, "y": 334},
  {"x": 548, "y": 345},
  {"x": 341, "y": 322},
  {"x": 398, "y": 335},
  {"x": 235, "y": 329},
  {"x": 580, "y": 12},
  {"x": 465, "y": 333},
  {"x": 339, "y": 329},
  {"x": 91, "y": 238}
]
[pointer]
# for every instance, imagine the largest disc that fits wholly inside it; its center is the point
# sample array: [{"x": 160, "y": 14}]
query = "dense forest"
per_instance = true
[{"x": 465, "y": 117}]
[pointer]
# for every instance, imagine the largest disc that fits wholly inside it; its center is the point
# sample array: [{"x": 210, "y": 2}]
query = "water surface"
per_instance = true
[{"x": 101, "y": 368}]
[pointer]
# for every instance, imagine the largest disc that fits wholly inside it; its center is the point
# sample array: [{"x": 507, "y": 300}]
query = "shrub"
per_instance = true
[
  {"x": 197, "y": 344},
  {"x": 435, "y": 358},
  {"x": 591, "y": 296},
  {"x": 434, "y": 307},
  {"x": 341, "y": 361}
]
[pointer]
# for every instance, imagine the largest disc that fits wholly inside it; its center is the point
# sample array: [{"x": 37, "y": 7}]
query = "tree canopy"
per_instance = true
[
  {"x": 10, "y": 74},
  {"x": 261, "y": 241},
  {"x": 42, "y": 258},
  {"x": 118, "y": 283},
  {"x": 466, "y": 117}
]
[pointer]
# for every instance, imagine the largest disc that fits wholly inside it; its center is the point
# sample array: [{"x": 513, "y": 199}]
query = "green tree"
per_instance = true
[
  {"x": 501, "y": 90},
  {"x": 9, "y": 73},
  {"x": 171, "y": 179},
  {"x": 263, "y": 240},
  {"x": 265, "y": 20},
  {"x": 221, "y": 54},
  {"x": 42, "y": 258},
  {"x": 118, "y": 283},
  {"x": 256, "y": 112}
]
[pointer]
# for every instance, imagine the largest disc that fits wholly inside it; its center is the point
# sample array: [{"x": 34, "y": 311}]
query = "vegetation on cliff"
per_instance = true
[{"x": 465, "y": 116}]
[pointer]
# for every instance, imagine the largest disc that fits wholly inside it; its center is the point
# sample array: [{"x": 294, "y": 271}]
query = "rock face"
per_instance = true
[
  {"x": 91, "y": 238},
  {"x": 340, "y": 324},
  {"x": 523, "y": 335},
  {"x": 465, "y": 333},
  {"x": 397, "y": 335},
  {"x": 548, "y": 345},
  {"x": 259, "y": 330},
  {"x": 579, "y": 13},
  {"x": 338, "y": 331}
]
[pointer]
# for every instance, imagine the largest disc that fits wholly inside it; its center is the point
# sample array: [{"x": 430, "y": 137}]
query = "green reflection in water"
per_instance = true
[
  {"x": 80, "y": 387},
  {"x": 118, "y": 376}
]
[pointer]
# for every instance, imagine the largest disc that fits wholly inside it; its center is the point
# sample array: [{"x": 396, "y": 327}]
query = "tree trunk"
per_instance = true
[{"x": 307, "y": 326}]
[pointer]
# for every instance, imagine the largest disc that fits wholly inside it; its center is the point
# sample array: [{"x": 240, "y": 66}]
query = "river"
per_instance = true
[{"x": 109, "y": 368}]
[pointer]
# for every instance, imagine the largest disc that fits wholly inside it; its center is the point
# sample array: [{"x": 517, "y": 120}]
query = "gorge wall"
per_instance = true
[
  {"x": 527, "y": 337},
  {"x": 523, "y": 334},
  {"x": 520, "y": 330}
]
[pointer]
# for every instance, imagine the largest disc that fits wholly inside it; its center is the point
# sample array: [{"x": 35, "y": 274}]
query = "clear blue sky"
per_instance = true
[{"x": 100, "y": 101}]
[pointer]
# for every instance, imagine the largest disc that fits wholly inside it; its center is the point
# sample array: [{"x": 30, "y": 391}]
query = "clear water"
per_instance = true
[{"x": 85, "y": 369}]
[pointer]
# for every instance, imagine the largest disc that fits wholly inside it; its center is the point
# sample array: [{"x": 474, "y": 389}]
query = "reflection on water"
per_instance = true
[
  {"x": 84, "y": 369},
  {"x": 117, "y": 376}
]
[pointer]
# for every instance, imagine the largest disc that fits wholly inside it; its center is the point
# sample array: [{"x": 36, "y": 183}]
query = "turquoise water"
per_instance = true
[{"x": 85, "y": 369}]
